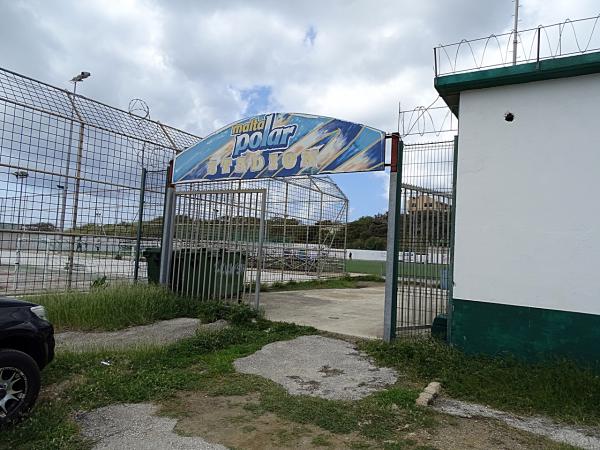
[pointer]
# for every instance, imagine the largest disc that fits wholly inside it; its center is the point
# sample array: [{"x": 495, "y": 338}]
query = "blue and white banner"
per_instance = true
[{"x": 282, "y": 145}]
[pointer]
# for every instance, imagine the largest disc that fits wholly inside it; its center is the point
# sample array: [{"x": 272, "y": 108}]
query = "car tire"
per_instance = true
[{"x": 19, "y": 385}]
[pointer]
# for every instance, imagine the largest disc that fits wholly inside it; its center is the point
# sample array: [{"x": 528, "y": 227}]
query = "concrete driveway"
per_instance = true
[{"x": 354, "y": 312}]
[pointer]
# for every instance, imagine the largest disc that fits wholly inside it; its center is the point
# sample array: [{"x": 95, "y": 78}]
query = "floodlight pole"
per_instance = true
[
  {"x": 393, "y": 239},
  {"x": 65, "y": 187},
  {"x": 70, "y": 259}
]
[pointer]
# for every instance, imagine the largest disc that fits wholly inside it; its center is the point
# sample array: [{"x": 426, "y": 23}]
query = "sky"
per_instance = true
[{"x": 200, "y": 65}]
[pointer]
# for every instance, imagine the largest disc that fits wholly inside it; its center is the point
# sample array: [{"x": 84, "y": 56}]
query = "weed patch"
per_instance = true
[
  {"x": 114, "y": 307},
  {"x": 559, "y": 389}
]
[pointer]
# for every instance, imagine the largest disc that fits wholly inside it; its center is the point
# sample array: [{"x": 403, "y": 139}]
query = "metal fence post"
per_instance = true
[
  {"x": 138, "y": 239},
  {"x": 393, "y": 238},
  {"x": 70, "y": 260},
  {"x": 452, "y": 233},
  {"x": 261, "y": 238},
  {"x": 168, "y": 231}
]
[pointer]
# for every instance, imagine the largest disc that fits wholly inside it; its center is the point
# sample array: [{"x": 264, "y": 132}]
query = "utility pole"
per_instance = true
[{"x": 515, "y": 31}]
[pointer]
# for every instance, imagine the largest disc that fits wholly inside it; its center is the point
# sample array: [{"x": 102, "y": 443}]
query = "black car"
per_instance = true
[{"x": 26, "y": 347}]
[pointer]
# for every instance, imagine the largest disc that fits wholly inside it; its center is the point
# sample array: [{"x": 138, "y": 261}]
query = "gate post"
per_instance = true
[
  {"x": 167, "y": 234},
  {"x": 450, "y": 304},
  {"x": 390, "y": 313}
]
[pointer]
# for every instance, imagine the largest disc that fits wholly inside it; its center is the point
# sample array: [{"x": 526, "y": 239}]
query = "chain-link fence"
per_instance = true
[
  {"x": 70, "y": 179},
  {"x": 426, "y": 231},
  {"x": 305, "y": 221}
]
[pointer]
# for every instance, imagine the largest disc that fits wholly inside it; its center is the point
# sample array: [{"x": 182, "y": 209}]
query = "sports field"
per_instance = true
[{"x": 405, "y": 269}]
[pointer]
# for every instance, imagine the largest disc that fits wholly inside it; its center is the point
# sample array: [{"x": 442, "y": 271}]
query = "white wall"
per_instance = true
[{"x": 528, "y": 195}]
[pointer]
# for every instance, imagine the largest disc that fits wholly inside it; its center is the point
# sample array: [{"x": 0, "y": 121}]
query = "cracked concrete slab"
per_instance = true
[
  {"x": 136, "y": 427},
  {"x": 318, "y": 366},
  {"x": 158, "y": 333}
]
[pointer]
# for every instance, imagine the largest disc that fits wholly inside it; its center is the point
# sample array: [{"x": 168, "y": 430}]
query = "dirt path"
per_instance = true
[
  {"x": 233, "y": 422},
  {"x": 159, "y": 333},
  {"x": 577, "y": 437}
]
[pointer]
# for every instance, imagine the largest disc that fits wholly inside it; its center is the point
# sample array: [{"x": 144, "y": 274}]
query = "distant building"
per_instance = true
[{"x": 427, "y": 203}]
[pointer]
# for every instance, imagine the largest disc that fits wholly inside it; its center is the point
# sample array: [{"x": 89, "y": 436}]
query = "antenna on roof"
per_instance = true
[{"x": 515, "y": 35}]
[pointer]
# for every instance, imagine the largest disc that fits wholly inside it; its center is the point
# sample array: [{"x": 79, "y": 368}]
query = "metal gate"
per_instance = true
[
  {"x": 217, "y": 245},
  {"x": 426, "y": 235}
]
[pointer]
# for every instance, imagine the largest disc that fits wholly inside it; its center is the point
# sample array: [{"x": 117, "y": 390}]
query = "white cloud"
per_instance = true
[{"x": 191, "y": 61}]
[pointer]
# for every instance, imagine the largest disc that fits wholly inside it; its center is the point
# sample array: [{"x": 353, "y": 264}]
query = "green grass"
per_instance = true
[
  {"x": 114, "y": 307},
  {"x": 409, "y": 270},
  {"x": 558, "y": 389},
  {"x": 346, "y": 282},
  {"x": 202, "y": 363}
]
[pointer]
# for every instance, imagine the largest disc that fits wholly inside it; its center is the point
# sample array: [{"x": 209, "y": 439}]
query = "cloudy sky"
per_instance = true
[{"x": 200, "y": 65}]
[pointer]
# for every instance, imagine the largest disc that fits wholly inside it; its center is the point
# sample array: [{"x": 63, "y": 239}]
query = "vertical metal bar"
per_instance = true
[
  {"x": 450, "y": 277},
  {"x": 435, "y": 62},
  {"x": 307, "y": 232},
  {"x": 242, "y": 263},
  {"x": 391, "y": 278},
  {"x": 261, "y": 237},
  {"x": 538, "y": 46},
  {"x": 321, "y": 246},
  {"x": 188, "y": 265},
  {"x": 205, "y": 245},
  {"x": 346, "y": 205},
  {"x": 240, "y": 275},
  {"x": 138, "y": 239},
  {"x": 285, "y": 220},
  {"x": 244, "y": 239},
  {"x": 196, "y": 241},
  {"x": 167, "y": 236},
  {"x": 68, "y": 163},
  {"x": 75, "y": 208},
  {"x": 516, "y": 38}
]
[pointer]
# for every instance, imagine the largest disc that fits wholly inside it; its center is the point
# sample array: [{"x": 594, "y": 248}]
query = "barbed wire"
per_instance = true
[
  {"x": 433, "y": 119},
  {"x": 554, "y": 46}
]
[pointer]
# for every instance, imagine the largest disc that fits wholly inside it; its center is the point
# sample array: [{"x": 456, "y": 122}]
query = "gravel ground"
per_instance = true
[
  {"x": 135, "y": 427},
  {"x": 577, "y": 437},
  {"x": 159, "y": 333},
  {"x": 319, "y": 367}
]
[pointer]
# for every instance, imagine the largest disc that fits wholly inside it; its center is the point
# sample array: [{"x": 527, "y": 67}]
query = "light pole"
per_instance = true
[
  {"x": 76, "y": 79},
  {"x": 20, "y": 175}
]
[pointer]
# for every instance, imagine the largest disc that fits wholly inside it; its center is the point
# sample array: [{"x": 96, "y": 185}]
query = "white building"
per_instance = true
[{"x": 527, "y": 242}]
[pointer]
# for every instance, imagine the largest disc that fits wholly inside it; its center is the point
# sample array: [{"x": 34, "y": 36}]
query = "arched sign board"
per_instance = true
[{"x": 282, "y": 145}]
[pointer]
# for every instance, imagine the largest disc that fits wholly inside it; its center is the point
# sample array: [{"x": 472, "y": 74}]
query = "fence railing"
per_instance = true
[
  {"x": 70, "y": 171},
  {"x": 425, "y": 240},
  {"x": 567, "y": 38}
]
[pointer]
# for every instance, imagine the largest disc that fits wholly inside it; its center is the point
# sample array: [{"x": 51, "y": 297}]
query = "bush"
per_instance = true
[{"x": 237, "y": 314}]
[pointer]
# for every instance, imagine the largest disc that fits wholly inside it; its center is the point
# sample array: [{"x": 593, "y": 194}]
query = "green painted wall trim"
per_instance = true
[
  {"x": 532, "y": 334},
  {"x": 450, "y": 86}
]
